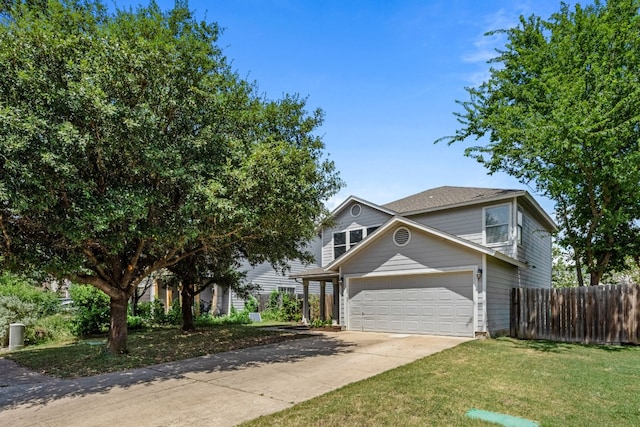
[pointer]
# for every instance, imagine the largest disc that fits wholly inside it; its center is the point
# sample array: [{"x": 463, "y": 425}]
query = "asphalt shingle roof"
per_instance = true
[{"x": 448, "y": 196}]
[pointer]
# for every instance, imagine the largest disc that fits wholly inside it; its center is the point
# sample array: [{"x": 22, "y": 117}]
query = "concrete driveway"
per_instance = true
[{"x": 217, "y": 390}]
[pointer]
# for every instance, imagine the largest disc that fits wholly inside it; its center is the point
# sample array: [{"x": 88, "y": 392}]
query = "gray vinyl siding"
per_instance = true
[
  {"x": 422, "y": 251},
  {"x": 500, "y": 278},
  {"x": 344, "y": 221},
  {"x": 269, "y": 279},
  {"x": 465, "y": 222},
  {"x": 536, "y": 252}
]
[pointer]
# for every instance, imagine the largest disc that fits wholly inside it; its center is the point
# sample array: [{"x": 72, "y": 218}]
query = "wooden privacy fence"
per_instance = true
[{"x": 590, "y": 314}]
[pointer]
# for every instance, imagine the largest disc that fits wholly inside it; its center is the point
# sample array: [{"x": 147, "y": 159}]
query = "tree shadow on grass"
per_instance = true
[
  {"x": 548, "y": 346},
  {"x": 20, "y": 387}
]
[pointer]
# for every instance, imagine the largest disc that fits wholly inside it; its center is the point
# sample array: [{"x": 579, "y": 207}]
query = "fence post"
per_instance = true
[{"x": 514, "y": 313}]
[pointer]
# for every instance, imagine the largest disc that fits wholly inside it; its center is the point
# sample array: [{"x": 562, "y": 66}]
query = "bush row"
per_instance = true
[{"x": 40, "y": 311}]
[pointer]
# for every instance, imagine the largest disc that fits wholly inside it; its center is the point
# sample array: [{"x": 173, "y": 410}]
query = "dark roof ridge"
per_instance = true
[{"x": 443, "y": 196}]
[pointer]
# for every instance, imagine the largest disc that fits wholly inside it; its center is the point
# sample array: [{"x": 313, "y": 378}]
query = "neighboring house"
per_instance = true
[
  {"x": 439, "y": 262},
  {"x": 224, "y": 300}
]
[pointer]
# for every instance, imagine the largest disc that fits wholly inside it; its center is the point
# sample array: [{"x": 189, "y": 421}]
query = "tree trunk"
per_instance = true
[
  {"x": 134, "y": 303},
  {"x": 117, "y": 339},
  {"x": 579, "y": 270},
  {"x": 187, "y": 303},
  {"x": 595, "y": 278},
  {"x": 214, "y": 300}
]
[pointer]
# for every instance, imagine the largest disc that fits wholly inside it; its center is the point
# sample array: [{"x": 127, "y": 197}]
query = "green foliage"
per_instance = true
[
  {"x": 128, "y": 142},
  {"x": 317, "y": 323},
  {"x": 152, "y": 312},
  {"x": 291, "y": 309},
  {"x": 251, "y": 304},
  {"x": 628, "y": 276},
  {"x": 135, "y": 323},
  {"x": 563, "y": 270},
  {"x": 21, "y": 301},
  {"x": 235, "y": 318},
  {"x": 92, "y": 308},
  {"x": 53, "y": 328},
  {"x": 174, "y": 316},
  {"x": 15, "y": 310},
  {"x": 46, "y": 302},
  {"x": 560, "y": 110},
  {"x": 239, "y": 317},
  {"x": 282, "y": 307}
]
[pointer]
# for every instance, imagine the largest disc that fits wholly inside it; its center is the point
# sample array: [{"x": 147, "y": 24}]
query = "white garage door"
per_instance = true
[{"x": 438, "y": 304}]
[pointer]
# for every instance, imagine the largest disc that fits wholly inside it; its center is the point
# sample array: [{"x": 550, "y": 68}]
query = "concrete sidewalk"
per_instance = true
[{"x": 217, "y": 390}]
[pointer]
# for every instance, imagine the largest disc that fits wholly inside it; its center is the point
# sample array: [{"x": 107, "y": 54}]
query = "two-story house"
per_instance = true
[{"x": 438, "y": 262}]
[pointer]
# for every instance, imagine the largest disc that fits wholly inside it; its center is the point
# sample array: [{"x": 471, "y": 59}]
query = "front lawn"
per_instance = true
[
  {"x": 552, "y": 383},
  {"x": 155, "y": 345}
]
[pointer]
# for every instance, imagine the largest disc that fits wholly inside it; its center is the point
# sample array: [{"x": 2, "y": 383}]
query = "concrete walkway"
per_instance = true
[{"x": 217, "y": 390}]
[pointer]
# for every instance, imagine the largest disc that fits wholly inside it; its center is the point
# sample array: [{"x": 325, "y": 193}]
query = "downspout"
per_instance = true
[
  {"x": 514, "y": 229},
  {"x": 485, "y": 326}
]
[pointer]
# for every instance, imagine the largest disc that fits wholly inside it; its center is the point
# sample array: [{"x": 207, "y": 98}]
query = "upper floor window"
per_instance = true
[
  {"x": 496, "y": 224},
  {"x": 339, "y": 243},
  {"x": 519, "y": 225},
  {"x": 345, "y": 240},
  {"x": 355, "y": 237}
]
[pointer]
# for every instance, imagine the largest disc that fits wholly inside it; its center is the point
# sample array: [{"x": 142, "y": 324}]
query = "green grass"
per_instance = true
[
  {"x": 552, "y": 383},
  {"x": 79, "y": 358}
]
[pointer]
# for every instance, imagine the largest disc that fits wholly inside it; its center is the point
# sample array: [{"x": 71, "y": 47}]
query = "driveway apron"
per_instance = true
[{"x": 223, "y": 389}]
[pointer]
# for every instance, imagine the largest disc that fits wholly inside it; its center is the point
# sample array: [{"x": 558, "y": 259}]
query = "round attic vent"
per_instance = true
[
  {"x": 401, "y": 236},
  {"x": 356, "y": 210}
]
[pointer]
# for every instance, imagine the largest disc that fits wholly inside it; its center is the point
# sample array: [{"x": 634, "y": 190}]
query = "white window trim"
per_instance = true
[
  {"x": 509, "y": 225},
  {"x": 347, "y": 237},
  {"x": 519, "y": 228}
]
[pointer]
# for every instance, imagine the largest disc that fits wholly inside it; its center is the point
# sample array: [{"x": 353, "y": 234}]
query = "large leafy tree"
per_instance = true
[
  {"x": 127, "y": 144},
  {"x": 561, "y": 109}
]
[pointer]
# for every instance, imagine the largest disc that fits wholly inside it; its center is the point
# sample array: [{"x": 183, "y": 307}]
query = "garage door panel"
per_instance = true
[
  {"x": 431, "y": 304},
  {"x": 412, "y": 311},
  {"x": 412, "y": 295},
  {"x": 397, "y": 326}
]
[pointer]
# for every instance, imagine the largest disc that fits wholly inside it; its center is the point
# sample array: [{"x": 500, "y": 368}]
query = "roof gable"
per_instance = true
[{"x": 355, "y": 199}]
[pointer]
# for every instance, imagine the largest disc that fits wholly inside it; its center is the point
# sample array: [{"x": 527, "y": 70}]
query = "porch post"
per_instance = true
[
  {"x": 323, "y": 285},
  {"x": 305, "y": 301},
  {"x": 336, "y": 303}
]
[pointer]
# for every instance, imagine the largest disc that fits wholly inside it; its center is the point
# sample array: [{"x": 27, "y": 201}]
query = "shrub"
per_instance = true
[
  {"x": 46, "y": 302},
  {"x": 282, "y": 307},
  {"x": 236, "y": 318},
  {"x": 251, "y": 304},
  {"x": 290, "y": 309},
  {"x": 56, "y": 327},
  {"x": 152, "y": 313},
  {"x": 239, "y": 317},
  {"x": 174, "y": 316},
  {"x": 12, "y": 310},
  {"x": 92, "y": 309},
  {"x": 135, "y": 323}
]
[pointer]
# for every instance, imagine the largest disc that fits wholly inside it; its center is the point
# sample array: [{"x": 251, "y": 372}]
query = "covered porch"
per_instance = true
[{"x": 321, "y": 276}]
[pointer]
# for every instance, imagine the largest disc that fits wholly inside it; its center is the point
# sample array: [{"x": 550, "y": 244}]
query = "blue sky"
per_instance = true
[{"x": 386, "y": 74}]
